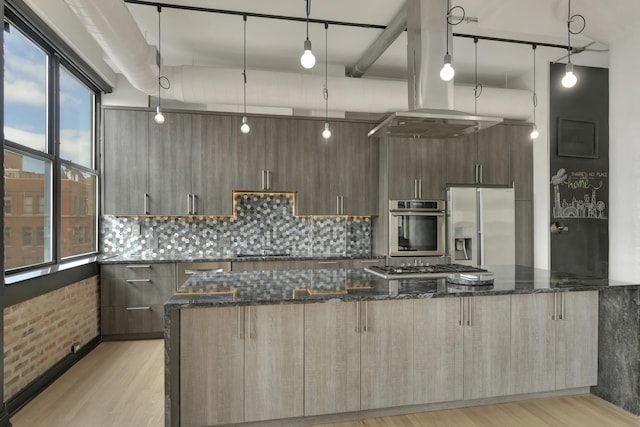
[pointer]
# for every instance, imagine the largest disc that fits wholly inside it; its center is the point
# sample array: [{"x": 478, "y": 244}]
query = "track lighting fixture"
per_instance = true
[
  {"x": 244, "y": 128},
  {"x": 326, "y": 133},
  {"x": 447, "y": 72},
  {"x": 569, "y": 80},
  {"x": 308, "y": 60}
]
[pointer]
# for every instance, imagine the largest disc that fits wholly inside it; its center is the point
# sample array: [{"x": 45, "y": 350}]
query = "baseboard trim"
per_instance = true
[
  {"x": 38, "y": 385},
  {"x": 138, "y": 336},
  {"x": 404, "y": 410},
  {"x": 4, "y": 417}
]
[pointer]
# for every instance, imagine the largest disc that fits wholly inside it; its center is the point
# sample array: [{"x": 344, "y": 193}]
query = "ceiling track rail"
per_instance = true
[
  {"x": 255, "y": 15},
  {"x": 330, "y": 22}
]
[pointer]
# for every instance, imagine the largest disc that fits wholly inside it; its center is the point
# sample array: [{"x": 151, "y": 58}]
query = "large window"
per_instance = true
[{"x": 50, "y": 173}]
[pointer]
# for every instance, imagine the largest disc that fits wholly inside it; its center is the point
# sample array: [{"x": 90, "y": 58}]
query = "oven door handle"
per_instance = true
[{"x": 400, "y": 212}]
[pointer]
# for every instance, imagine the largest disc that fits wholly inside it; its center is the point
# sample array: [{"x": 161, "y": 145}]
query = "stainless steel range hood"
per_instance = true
[{"x": 431, "y": 113}]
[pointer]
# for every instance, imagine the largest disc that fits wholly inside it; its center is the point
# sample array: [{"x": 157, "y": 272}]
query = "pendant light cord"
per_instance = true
[
  {"x": 308, "y": 13},
  {"x": 325, "y": 90},
  {"x": 244, "y": 64},
  {"x": 159, "y": 54},
  {"x": 569, "y": 32},
  {"x": 477, "y": 90},
  {"x": 535, "y": 94}
]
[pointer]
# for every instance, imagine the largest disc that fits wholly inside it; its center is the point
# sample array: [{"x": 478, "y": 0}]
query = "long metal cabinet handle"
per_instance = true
[
  {"x": 194, "y": 204},
  {"x": 268, "y": 179},
  {"x": 358, "y": 316},
  {"x": 461, "y": 319},
  {"x": 370, "y": 261},
  {"x": 337, "y": 205},
  {"x": 138, "y": 280},
  {"x": 146, "y": 307},
  {"x": 419, "y": 189},
  {"x": 327, "y": 262},
  {"x": 145, "y": 204},
  {"x": 366, "y": 316},
  {"x": 188, "y": 204},
  {"x": 238, "y": 323},
  {"x": 251, "y": 333},
  {"x": 139, "y": 266},
  {"x": 475, "y": 169},
  {"x": 562, "y": 316},
  {"x": 468, "y": 311},
  {"x": 264, "y": 180},
  {"x": 415, "y": 188},
  {"x": 341, "y": 205},
  {"x": 555, "y": 306},
  {"x": 481, "y": 177}
]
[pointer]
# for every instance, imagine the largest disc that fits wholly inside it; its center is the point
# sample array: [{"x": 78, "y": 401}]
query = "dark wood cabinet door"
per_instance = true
[
  {"x": 493, "y": 155},
  {"x": 431, "y": 167},
  {"x": 461, "y": 156},
  {"x": 170, "y": 164},
  {"x": 521, "y": 153},
  {"x": 126, "y": 134},
  {"x": 215, "y": 137},
  {"x": 402, "y": 172}
]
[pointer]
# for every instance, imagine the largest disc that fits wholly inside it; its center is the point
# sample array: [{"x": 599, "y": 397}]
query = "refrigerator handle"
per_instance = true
[{"x": 479, "y": 244}]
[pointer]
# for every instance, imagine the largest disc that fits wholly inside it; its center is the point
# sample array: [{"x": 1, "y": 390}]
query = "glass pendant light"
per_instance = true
[
  {"x": 447, "y": 72},
  {"x": 569, "y": 80},
  {"x": 326, "y": 133},
  {"x": 159, "y": 117},
  {"x": 244, "y": 128},
  {"x": 534, "y": 133},
  {"x": 308, "y": 59}
]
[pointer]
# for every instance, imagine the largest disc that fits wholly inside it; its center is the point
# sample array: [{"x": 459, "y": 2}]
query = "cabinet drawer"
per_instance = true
[
  {"x": 132, "y": 319},
  {"x": 116, "y": 291},
  {"x": 136, "y": 284},
  {"x": 363, "y": 263},
  {"x": 138, "y": 271}
]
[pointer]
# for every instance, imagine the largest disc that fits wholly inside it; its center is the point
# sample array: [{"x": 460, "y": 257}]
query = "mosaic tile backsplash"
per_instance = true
[{"x": 264, "y": 224}]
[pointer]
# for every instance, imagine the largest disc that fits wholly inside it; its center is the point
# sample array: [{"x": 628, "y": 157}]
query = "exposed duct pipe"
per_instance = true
[
  {"x": 113, "y": 27},
  {"x": 397, "y": 25}
]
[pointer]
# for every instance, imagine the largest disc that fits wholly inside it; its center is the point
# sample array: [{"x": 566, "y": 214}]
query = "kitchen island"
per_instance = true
[{"x": 305, "y": 346}]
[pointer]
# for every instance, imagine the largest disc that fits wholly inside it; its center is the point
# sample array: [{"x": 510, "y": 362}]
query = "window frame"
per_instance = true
[{"x": 57, "y": 56}]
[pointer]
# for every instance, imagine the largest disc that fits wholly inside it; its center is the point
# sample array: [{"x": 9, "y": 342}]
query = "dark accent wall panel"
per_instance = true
[{"x": 579, "y": 171}]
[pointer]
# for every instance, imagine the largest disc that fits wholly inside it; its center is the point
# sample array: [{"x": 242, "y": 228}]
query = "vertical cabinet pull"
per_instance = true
[
  {"x": 194, "y": 204},
  {"x": 476, "y": 173},
  {"x": 188, "y": 204},
  {"x": 415, "y": 188},
  {"x": 339, "y": 205},
  {"x": 562, "y": 316},
  {"x": 481, "y": 177},
  {"x": 358, "y": 316},
  {"x": 145, "y": 204},
  {"x": 266, "y": 179},
  {"x": 468, "y": 311},
  {"x": 461, "y": 319},
  {"x": 366, "y": 316},
  {"x": 555, "y": 307},
  {"x": 419, "y": 189},
  {"x": 239, "y": 323}
]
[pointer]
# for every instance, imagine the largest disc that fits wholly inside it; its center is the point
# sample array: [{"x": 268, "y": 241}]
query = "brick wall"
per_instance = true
[{"x": 39, "y": 332}]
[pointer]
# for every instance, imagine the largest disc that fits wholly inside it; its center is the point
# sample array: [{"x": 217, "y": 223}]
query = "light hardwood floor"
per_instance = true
[{"x": 121, "y": 384}]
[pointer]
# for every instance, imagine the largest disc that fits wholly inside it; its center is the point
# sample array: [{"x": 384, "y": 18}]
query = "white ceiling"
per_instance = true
[{"x": 200, "y": 38}]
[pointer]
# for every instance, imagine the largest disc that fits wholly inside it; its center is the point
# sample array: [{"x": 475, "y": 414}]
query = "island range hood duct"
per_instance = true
[{"x": 431, "y": 113}]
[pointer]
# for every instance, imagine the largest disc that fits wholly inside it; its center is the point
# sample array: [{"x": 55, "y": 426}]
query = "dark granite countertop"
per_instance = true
[
  {"x": 293, "y": 286},
  {"x": 133, "y": 259}
]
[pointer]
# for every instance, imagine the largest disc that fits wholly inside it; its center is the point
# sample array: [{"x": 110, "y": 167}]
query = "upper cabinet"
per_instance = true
[
  {"x": 416, "y": 168},
  {"x": 481, "y": 158},
  {"x": 171, "y": 148},
  {"x": 192, "y": 163},
  {"x": 126, "y": 134}
]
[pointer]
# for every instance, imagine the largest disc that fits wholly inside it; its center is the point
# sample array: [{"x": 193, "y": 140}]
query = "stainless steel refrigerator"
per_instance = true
[{"x": 481, "y": 225}]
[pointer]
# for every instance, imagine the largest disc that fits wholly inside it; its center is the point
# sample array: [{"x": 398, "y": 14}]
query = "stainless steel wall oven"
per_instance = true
[{"x": 417, "y": 228}]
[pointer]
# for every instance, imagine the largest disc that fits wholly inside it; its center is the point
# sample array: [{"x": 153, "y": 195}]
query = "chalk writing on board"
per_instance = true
[{"x": 582, "y": 189}]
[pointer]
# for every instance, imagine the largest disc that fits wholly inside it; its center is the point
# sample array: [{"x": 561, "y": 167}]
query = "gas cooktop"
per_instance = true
[{"x": 409, "y": 271}]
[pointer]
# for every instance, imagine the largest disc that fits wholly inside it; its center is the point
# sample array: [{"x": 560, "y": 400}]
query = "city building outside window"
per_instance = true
[{"x": 40, "y": 85}]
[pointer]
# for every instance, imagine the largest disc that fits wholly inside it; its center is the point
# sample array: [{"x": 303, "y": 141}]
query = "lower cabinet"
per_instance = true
[
  {"x": 132, "y": 298},
  {"x": 554, "y": 341},
  {"x": 331, "y": 358},
  {"x": 487, "y": 340},
  {"x": 386, "y": 354},
  {"x": 241, "y": 364},
  {"x": 438, "y": 349}
]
